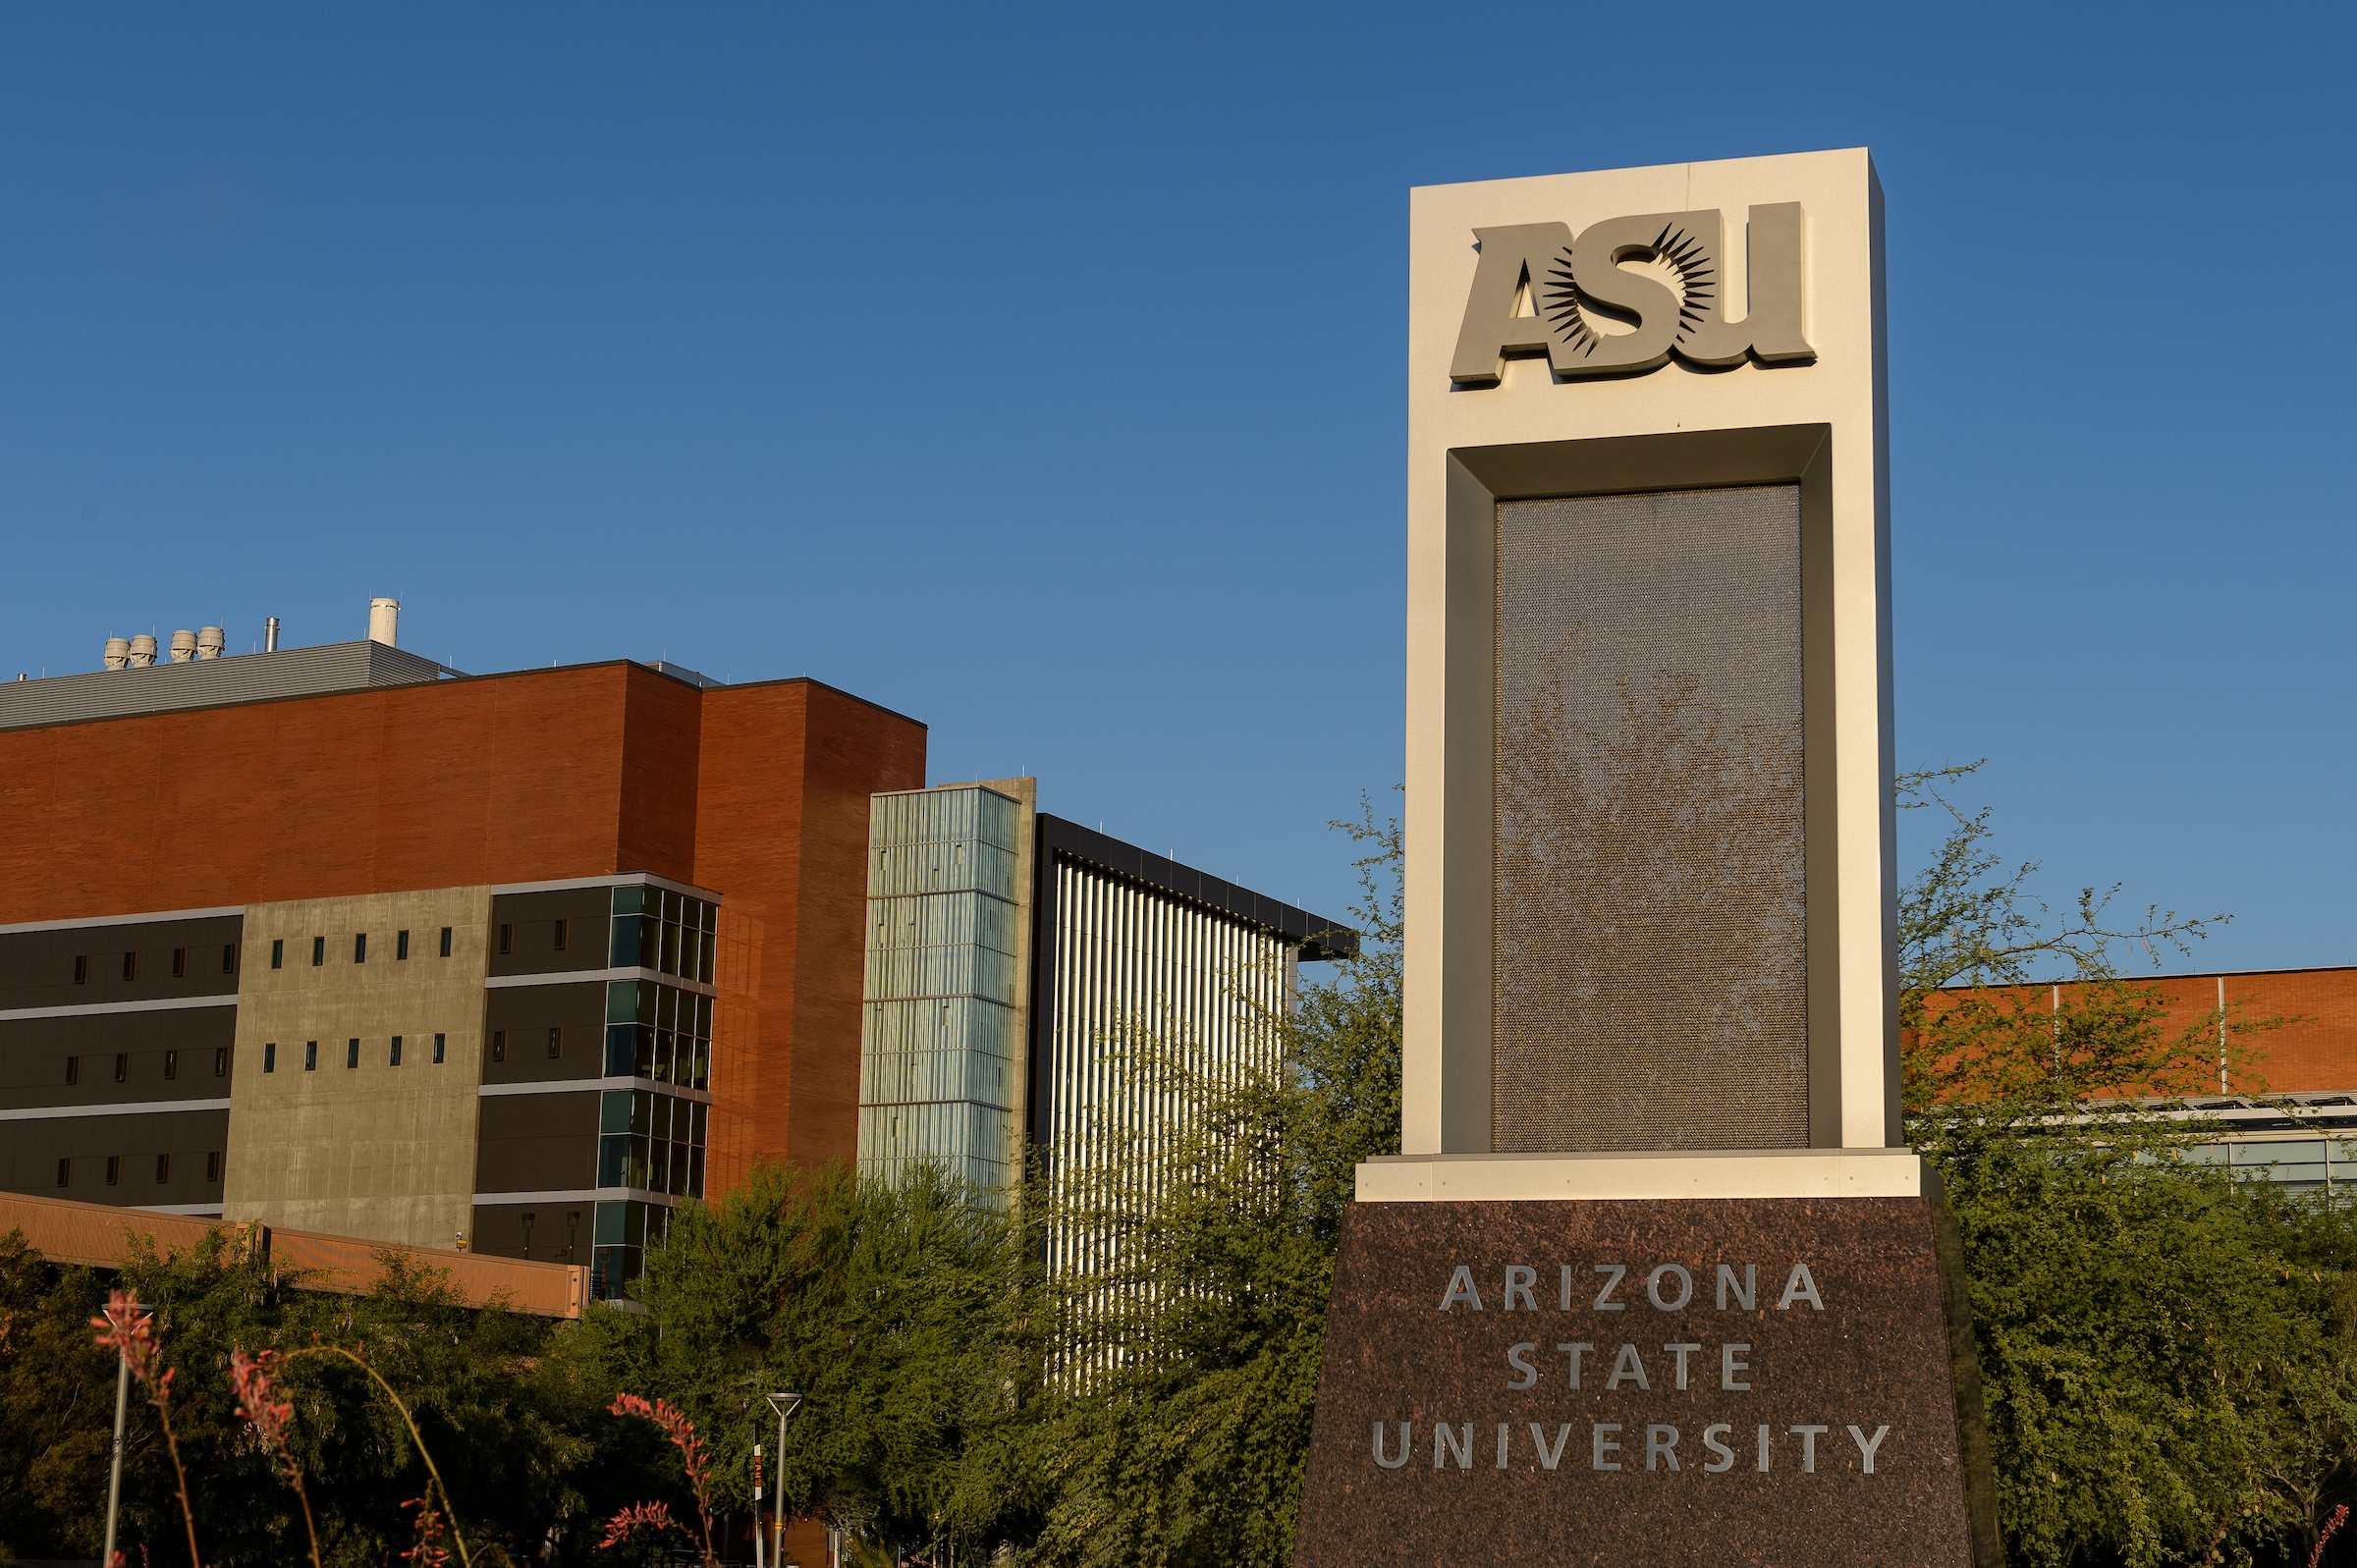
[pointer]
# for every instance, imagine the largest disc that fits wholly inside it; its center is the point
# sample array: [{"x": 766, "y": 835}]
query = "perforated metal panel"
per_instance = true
[{"x": 1650, "y": 956}]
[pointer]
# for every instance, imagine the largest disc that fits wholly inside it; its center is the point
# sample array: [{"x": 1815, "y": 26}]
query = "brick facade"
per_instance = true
[{"x": 758, "y": 793}]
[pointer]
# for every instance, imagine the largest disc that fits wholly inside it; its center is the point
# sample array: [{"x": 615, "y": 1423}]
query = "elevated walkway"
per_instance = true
[{"x": 98, "y": 1236}]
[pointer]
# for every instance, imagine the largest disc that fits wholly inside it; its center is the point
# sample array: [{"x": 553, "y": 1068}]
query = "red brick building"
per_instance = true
[{"x": 157, "y": 820}]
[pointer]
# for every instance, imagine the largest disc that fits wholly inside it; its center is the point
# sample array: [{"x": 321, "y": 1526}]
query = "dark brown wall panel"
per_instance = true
[
  {"x": 527, "y": 1013},
  {"x": 500, "y": 1232},
  {"x": 538, "y": 1143},
  {"x": 29, "y": 1154},
  {"x": 587, "y": 913},
  {"x": 33, "y": 1053},
  {"x": 36, "y": 968}
]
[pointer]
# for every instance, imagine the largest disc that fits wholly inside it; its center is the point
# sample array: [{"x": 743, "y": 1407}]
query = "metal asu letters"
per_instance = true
[{"x": 1572, "y": 287}]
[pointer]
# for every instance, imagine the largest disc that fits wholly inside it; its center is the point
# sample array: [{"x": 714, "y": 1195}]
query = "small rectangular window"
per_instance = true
[
  {"x": 438, "y": 1043},
  {"x": 396, "y": 1050},
  {"x": 310, "y": 1055},
  {"x": 131, "y": 966},
  {"x": 400, "y": 946},
  {"x": 506, "y": 938},
  {"x": 269, "y": 1055},
  {"x": 445, "y": 942},
  {"x": 556, "y": 1042},
  {"x": 180, "y": 963},
  {"x": 64, "y": 1173},
  {"x": 360, "y": 947},
  {"x": 163, "y": 1169},
  {"x": 278, "y": 954},
  {"x": 318, "y": 952},
  {"x": 72, "y": 1071},
  {"x": 498, "y": 1045},
  {"x": 212, "y": 1166},
  {"x": 122, "y": 1067},
  {"x": 81, "y": 969},
  {"x": 114, "y": 1169},
  {"x": 171, "y": 1063},
  {"x": 352, "y": 1053},
  {"x": 220, "y": 1061},
  {"x": 560, "y": 937},
  {"x": 229, "y": 957}
]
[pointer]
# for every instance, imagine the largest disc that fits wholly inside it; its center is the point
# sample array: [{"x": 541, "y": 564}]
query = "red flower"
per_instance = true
[
  {"x": 129, "y": 1331},
  {"x": 656, "y": 1515}
]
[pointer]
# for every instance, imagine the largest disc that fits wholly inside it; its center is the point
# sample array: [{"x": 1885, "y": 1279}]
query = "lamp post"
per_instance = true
[
  {"x": 785, "y": 1404},
  {"x": 114, "y": 1480}
]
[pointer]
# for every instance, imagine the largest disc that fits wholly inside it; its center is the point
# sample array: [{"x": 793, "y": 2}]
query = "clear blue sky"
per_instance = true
[{"x": 1039, "y": 375}]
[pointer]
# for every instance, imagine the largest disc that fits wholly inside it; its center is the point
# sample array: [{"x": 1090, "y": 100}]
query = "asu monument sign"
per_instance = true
[{"x": 1654, "y": 1279}]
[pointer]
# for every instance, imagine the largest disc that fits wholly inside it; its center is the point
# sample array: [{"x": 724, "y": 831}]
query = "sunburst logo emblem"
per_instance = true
[{"x": 1679, "y": 251}]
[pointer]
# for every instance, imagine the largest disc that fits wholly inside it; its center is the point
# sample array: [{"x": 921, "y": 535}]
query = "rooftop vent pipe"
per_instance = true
[
  {"x": 270, "y": 636},
  {"x": 118, "y": 653},
  {"x": 183, "y": 647},
  {"x": 384, "y": 619},
  {"x": 142, "y": 651},
  {"x": 210, "y": 641}
]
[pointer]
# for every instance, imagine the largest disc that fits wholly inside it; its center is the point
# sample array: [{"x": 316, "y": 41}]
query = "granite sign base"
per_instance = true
[{"x": 1756, "y": 1381}]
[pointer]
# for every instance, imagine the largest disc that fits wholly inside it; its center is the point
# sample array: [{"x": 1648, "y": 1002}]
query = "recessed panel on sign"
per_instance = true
[{"x": 1650, "y": 957}]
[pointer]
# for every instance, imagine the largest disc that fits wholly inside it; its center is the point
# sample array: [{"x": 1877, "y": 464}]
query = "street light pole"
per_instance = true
[
  {"x": 785, "y": 1404},
  {"x": 114, "y": 1480}
]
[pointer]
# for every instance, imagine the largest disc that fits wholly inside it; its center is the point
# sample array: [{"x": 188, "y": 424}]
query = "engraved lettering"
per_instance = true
[
  {"x": 1718, "y": 1466},
  {"x": 1538, "y": 1439},
  {"x": 1681, "y": 1352},
  {"x": 1660, "y": 1440},
  {"x": 1802, "y": 1286},
  {"x": 1460, "y": 1288},
  {"x": 1527, "y": 1374},
  {"x": 1743, "y": 1293},
  {"x": 1406, "y": 1441},
  {"x": 1519, "y": 1277},
  {"x": 1867, "y": 1445},
  {"x": 1808, "y": 1446},
  {"x": 1503, "y": 1429},
  {"x": 1763, "y": 1466},
  {"x": 1603, "y": 1446},
  {"x": 1612, "y": 1272},
  {"x": 1729, "y": 1366},
  {"x": 1447, "y": 1444},
  {"x": 1653, "y": 1287},
  {"x": 1627, "y": 1367},
  {"x": 1574, "y": 1352},
  {"x": 1567, "y": 1301}
]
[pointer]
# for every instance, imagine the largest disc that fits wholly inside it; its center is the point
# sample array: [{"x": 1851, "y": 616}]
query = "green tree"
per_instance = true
[
  {"x": 1179, "y": 1434},
  {"x": 896, "y": 1311},
  {"x": 2165, "y": 1350}
]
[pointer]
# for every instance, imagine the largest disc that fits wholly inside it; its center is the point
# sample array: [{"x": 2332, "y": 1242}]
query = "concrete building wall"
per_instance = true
[{"x": 369, "y": 1149}]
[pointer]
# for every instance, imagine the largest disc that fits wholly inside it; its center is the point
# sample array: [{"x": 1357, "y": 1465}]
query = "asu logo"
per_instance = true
[{"x": 1678, "y": 305}]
